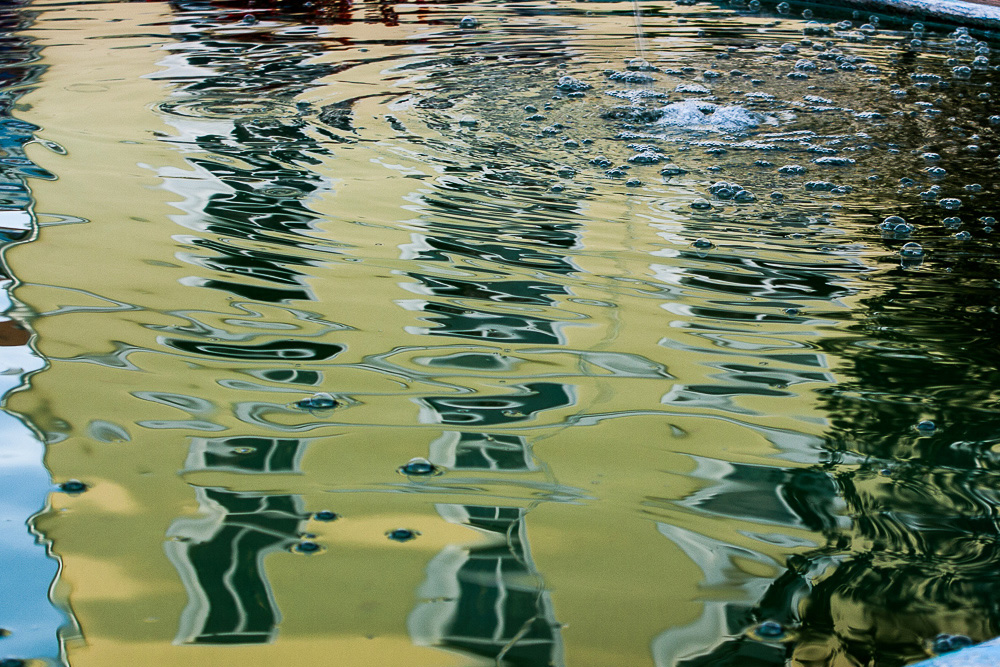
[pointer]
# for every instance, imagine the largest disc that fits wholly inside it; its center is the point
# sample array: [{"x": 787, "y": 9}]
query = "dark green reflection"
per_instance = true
[
  {"x": 482, "y": 452},
  {"x": 220, "y": 559},
  {"x": 479, "y": 410},
  {"x": 246, "y": 454},
  {"x": 298, "y": 350},
  {"x": 488, "y": 600}
]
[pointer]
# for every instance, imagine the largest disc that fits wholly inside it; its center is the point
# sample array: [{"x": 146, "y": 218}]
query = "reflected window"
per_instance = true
[
  {"x": 220, "y": 558},
  {"x": 482, "y": 451},
  {"x": 488, "y": 600},
  {"x": 247, "y": 454},
  {"x": 480, "y": 410}
]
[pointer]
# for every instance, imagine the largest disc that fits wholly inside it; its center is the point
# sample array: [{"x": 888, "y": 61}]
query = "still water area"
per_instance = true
[{"x": 496, "y": 333}]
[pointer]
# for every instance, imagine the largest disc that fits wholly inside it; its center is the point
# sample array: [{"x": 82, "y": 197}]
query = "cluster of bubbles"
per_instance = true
[{"x": 702, "y": 124}]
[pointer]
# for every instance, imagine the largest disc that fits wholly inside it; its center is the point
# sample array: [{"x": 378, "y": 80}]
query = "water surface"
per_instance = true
[{"x": 378, "y": 332}]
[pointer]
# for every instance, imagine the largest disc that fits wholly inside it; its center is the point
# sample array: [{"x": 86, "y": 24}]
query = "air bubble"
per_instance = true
[
  {"x": 770, "y": 630},
  {"x": 402, "y": 535},
  {"x": 307, "y": 547},
  {"x": 326, "y": 515},
  {"x": 950, "y": 204},
  {"x": 896, "y": 225},
  {"x": 419, "y": 467},
  {"x": 646, "y": 157},
  {"x": 702, "y": 244},
  {"x": 911, "y": 250},
  {"x": 947, "y": 643},
  {"x": 468, "y": 23},
  {"x": 572, "y": 84},
  {"x": 701, "y": 204},
  {"x": 319, "y": 401},
  {"x": 73, "y": 486}
]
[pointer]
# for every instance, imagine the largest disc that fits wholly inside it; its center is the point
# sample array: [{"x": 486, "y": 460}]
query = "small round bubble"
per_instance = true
[
  {"x": 73, "y": 486},
  {"x": 307, "y": 547},
  {"x": 468, "y": 23},
  {"x": 770, "y": 630},
  {"x": 912, "y": 250},
  {"x": 326, "y": 515},
  {"x": 319, "y": 401},
  {"x": 402, "y": 535},
  {"x": 418, "y": 466},
  {"x": 944, "y": 643}
]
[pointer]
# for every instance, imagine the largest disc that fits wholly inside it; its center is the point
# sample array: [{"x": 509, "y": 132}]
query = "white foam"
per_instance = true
[{"x": 705, "y": 115}]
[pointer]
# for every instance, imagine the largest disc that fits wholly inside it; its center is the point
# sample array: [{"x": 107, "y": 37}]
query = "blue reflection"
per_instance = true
[
  {"x": 33, "y": 622},
  {"x": 28, "y": 614}
]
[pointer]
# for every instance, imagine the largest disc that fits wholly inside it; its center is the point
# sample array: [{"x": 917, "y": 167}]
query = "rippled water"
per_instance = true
[{"x": 458, "y": 334}]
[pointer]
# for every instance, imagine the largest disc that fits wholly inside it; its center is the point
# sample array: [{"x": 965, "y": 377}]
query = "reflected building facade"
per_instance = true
[
  {"x": 220, "y": 554},
  {"x": 488, "y": 600}
]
